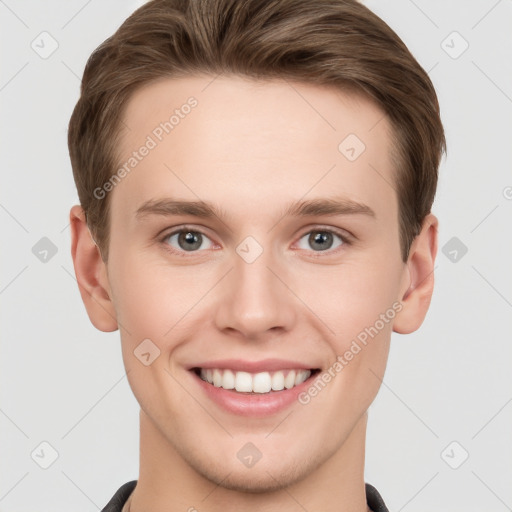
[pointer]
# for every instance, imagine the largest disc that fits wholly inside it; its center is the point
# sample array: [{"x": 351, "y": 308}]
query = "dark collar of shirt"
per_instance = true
[{"x": 373, "y": 498}]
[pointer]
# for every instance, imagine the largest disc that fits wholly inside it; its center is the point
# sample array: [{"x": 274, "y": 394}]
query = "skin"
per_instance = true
[{"x": 251, "y": 148}]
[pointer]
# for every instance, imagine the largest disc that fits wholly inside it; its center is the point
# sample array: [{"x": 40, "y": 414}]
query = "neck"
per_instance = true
[{"x": 167, "y": 483}]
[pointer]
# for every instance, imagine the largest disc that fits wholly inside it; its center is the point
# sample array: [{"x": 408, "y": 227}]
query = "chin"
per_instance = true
[
  {"x": 261, "y": 478},
  {"x": 247, "y": 481}
]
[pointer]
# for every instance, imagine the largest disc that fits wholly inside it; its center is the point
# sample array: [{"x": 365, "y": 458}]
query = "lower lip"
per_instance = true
[{"x": 253, "y": 404}]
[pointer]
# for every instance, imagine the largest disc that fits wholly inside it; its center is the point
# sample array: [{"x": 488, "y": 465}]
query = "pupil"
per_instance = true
[
  {"x": 192, "y": 240},
  {"x": 323, "y": 239}
]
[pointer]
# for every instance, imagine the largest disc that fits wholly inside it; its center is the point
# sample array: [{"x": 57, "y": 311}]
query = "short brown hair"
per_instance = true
[{"x": 339, "y": 43}]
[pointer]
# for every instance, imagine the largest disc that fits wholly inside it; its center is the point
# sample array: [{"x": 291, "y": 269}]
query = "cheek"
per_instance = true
[
  {"x": 358, "y": 305},
  {"x": 152, "y": 298},
  {"x": 155, "y": 304},
  {"x": 351, "y": 296}
]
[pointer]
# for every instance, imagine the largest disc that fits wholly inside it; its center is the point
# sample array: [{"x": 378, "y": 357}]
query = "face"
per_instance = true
[{"x": 254, "y": 242}]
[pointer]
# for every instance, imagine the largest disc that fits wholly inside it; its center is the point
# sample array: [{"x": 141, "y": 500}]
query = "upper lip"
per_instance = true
[{"x": 265, "y": 365}]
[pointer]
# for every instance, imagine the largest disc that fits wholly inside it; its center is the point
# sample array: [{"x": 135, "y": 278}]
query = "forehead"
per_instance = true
[{"x": 252, "y": 144}]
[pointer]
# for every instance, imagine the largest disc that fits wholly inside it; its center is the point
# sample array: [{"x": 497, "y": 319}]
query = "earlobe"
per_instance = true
[
  {"x": 418, "y": 283},
  {"x": 91, "y": 273}
]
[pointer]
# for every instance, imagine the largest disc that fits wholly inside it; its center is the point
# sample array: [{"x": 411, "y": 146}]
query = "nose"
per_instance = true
[{"x": 255, "y": 299}]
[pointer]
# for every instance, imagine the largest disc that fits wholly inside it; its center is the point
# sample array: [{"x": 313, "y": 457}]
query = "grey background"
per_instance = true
[{"x": 63, "y": 382}]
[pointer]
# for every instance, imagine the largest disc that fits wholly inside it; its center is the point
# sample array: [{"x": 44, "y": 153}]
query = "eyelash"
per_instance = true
[{"x": 316, "y": 254}]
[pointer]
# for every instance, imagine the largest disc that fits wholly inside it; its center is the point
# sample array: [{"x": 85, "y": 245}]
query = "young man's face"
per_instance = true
[{"x": 253, "y": 284}]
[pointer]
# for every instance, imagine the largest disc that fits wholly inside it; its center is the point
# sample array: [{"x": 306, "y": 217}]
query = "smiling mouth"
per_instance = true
[{"x": 252, "y": 383}]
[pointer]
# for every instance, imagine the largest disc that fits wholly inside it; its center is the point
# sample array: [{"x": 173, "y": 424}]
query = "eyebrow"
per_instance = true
[{"x": 207, "y": 210}]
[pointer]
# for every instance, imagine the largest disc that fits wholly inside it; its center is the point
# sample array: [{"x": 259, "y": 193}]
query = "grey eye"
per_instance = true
[
  {"x": 321, "y": 240},
  {"x": 188, "y": 240}
]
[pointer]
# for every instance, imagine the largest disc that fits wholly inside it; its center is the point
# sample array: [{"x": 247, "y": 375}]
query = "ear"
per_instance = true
[
  {"x": 418, "y": 282},
  {"x": 91, "y": 273}
]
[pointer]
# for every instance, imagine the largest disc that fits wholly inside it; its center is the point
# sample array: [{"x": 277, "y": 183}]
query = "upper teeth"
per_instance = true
[{"x": 261, "y": 382}]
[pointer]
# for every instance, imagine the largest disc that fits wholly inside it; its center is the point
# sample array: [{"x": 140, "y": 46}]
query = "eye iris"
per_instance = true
[
  {"x": 321, "y": 237},
  {"x": 193, "y": 240}
]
